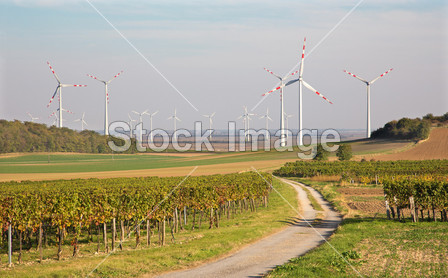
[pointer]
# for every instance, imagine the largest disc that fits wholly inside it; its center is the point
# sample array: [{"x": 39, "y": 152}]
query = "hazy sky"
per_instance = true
[{"x": 214, "y": 52}]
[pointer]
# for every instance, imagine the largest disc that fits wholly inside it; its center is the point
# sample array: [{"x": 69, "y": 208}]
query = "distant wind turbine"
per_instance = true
[
  {"x": 32, "y": 118},
  {"x": 150, "y": 125},
  {"x": 246, "y": 120},
  {"x": 210, "y": 122},
  {"x": 287, "y": 119},
  {"x": 130, "y": 124},
  {"x": 106, "y": 100},
  {"x": 368, "y": 95},
  {"x": 59, "y": 89},
  {"x": 83, "y": 122},
  {"x": 266, "y": 116},
  {"x": 140, "y": 115},
  {"x": 174, "y": 118}
]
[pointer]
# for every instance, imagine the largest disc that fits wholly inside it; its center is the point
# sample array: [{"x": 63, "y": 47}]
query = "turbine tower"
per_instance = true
[
  {"x": 266, "y": 116},
  {"x": 301, "y": 81},
  {"x": 210, "y": 122},
  {"x": 368, "y": 95},
  {"x": 83, "y": 122},
  {"x": 282, "y": 119},
  {"x": 150, "y": 125},
  {"x": 175, "y": 118},
  {"x": 106, "y": 100},
  {"x": 59, "y": 89},
  {"x": 32, "y": 118}
]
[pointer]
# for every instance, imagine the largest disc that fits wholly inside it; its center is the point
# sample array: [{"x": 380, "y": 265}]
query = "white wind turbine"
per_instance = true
[
  {"x": 59, "y": 89},
  {"x": 287, "y": 120},
  {"x": 55, "y": 113},
  {"x": 282, "y": 119},
  {"x": 150, "y": 125},
  {"x": 266, "y": 116},
  {"x": 106, "y": 100},
  {"x": 83, "y": 122},
  {"x": 301, "y": 81},
  {"x": 210, "y": 122},
  {"x": 246, "y": 120},
  {"x": 32, "y": 118},
  {"x": 130, "y": 124},
  {"x": 368, "y": 95},
  {"x": 175, "y": 118},
  {"x": 140, "y": 115}
]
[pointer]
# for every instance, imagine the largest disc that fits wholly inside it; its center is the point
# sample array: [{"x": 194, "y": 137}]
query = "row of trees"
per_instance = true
[
  {"x": 363, "y": 171},
  {"x": 80, "y": 206},
  {"x": 419, "y": 194}
]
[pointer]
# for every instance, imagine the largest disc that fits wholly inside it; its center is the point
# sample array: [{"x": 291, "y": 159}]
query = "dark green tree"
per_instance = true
[
  {"x": 344, "y": 152},
  {"x": 321, "y": 153}
]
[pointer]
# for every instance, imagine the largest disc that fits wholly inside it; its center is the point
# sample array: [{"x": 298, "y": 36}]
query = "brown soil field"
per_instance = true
[
  {"x": 435, "y": 147},
  {"x": 165, "y": 172}
]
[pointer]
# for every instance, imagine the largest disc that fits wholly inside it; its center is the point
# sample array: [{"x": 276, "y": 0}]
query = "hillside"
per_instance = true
[{"x": 16, "y": 136}]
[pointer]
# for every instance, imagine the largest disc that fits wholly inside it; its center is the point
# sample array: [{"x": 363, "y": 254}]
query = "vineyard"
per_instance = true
[
  {"x": 421, "y": 187},
  {"x": 37, "y": 211}
]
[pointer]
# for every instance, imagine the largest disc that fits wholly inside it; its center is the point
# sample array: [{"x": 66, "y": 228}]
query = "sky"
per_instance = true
[{"x": 208, "y": 56}]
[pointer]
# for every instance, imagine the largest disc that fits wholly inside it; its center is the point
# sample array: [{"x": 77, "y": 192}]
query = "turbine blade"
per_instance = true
[
  {"x": 371, "y": 82},
  {"x": 84, "y": 122},
  {"x": 314, "y": 90},
  {"x": 273, "y": 73},
  {"x": 72, "y": 85},
  {"x": 116, "y": 75},
  {"x": 154, "y": 113},
  {"x": 55, "y": 92},
  {"x": 54, "y": 73},
  {"x": 213, "y": 114},
  {"x": 303, "y": 58},
  {"x": 94, "y": 77},
  {"x": 354, "y": 75},
  {"x": 77, "y": 120},
  {"x": 135, "y": 112},
  {"x": 273, "y": 90}
]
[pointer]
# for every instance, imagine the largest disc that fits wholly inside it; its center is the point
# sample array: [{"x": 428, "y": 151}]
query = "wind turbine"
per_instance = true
[
  {"x": 282, "y": 119},
  {"x": 83, "y": 122},
  {"x": 266, "y": 116},
  {"x": 150, "y": 125},
  {"x": 368, "y": 95},
  {"x": 246, "y": 120},
  {"x": 106, "y": 100},
  {"x": 287, "y": 119},
  {"x": 32, "y": 118},
  {"x": 141, "y": 114},
  {"x": 130, "y": 124},
  {"x": 210, "y": 122},
  {"x": 175, "y": 118},
  {"x": 59, "y": 89},
  {"x": 301, "y": 81},
  {"x": 56, "y": 115}
]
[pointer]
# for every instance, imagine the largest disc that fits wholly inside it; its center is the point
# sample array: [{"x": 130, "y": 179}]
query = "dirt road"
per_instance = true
[{"x": 262, "y": 256}]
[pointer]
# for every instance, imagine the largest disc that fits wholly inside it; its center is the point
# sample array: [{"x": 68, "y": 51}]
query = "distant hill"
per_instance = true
[
  {"x": 16, "y": 136},
  {"x": 406, "y": 128}
]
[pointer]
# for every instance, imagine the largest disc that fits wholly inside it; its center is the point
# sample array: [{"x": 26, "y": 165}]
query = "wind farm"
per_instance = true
[{"x": 188, "y": 154}]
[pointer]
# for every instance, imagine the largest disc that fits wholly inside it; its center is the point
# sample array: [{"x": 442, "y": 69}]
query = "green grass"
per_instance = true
[
  {"x": 71, "y": 163},
  {"x": 189, "y": 248},
  {"x": 374, "y": 246}
]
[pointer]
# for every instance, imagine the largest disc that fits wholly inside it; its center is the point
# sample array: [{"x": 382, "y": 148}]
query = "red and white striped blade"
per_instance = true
[
  {"x": 303, "y": 57},
  {"x": 52, "y": 114},
  {"x": 354, "y": 75},
  {"x": 72, "y": 85},
  {"x": 314, "y": 90},
  {"x": 294, "y": 73},
  {"x": 272, "y": 73},
  {"x": 51, "y": 99},
  {"x": 116, "y": 75},
  {"x": 380, "y": 76},
  {"x": 54, "y": 73},
  {"x": 94, "y": 77},
  {"x": 273, "y": 90}
]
